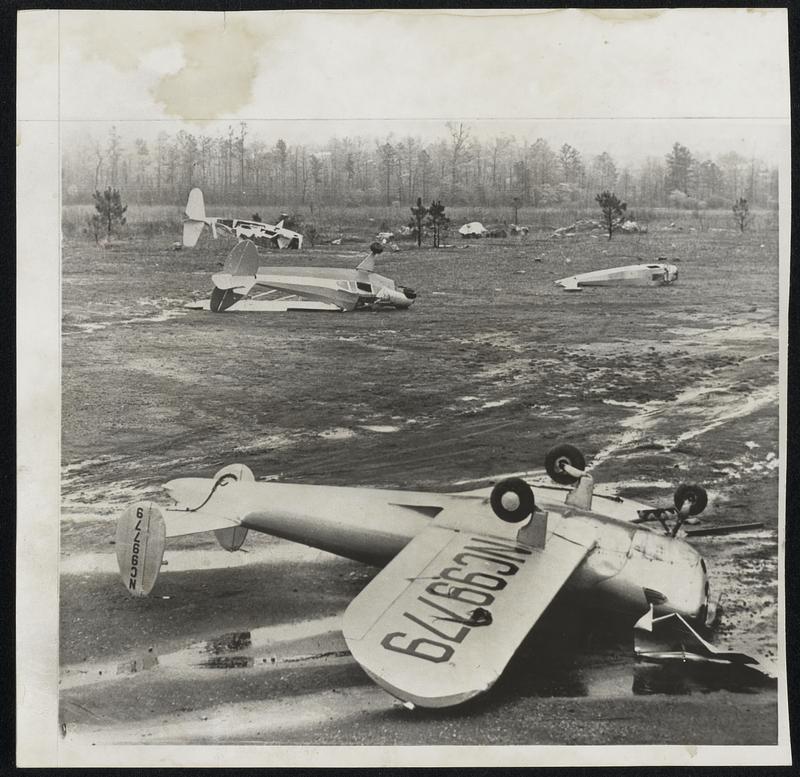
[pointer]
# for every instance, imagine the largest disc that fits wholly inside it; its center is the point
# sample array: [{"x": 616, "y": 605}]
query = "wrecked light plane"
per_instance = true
[
  {"x": 267, "y": 235},
  {"x": 473, "y": 229},
  {"x": 467, "y": 575},
  {"x": 243, "y": 285},
  {"x": 657, "y": 274}
]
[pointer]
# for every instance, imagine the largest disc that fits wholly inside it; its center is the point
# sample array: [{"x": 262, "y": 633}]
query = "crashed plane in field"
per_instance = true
[
  {"x": 657, "y": 274},
  {"x": 244, "y": 285},
  {"x": 466, "y": 576},
  {"x": 263, "y": 234}
]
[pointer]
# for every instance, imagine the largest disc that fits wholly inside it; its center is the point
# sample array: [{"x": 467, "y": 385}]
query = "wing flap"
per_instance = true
[{"x": 439, "y": 624}]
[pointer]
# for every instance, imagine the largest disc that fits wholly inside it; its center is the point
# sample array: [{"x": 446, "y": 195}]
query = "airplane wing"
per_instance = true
[
  {"x": 439, "y": 624},
  {"x": 268, "y": 305}
]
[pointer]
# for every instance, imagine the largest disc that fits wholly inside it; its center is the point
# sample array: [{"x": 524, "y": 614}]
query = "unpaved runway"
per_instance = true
[{"x": 670, "y": 385}]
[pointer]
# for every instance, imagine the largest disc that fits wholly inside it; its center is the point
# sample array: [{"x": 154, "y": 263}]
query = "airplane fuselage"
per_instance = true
[
  {"x": 345, "y": 287},
  {"x": 628, "y": 568}
]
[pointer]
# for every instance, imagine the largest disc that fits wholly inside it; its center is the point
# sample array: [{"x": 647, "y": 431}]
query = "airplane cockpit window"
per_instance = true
[{"x": 364, "y": 287}]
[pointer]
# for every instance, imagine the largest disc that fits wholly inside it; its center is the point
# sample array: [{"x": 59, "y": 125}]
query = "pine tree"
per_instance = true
[
  {"x": 419, "y": 212},
  {"x": 437, "y": 220},
  {"x": 612, "y": 209},
  {"x": 110, "y": 212},
  {"x": 741, "y": 212}
]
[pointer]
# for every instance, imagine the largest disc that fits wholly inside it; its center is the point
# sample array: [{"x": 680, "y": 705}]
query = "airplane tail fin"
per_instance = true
[
  {"x": 242, "y": 260},
  {"x": 236, "y": 278},
  {"x": 195, "y": 207},
  {"x": 195, "y": 219},
  {"x": 140, "y": 540},
  {"x": 191, "y": 232}
]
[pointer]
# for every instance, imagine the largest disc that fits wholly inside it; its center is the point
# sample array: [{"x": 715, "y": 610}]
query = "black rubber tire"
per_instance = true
[
  {"x": 527, "y": 503},
  {"x": 563, "y": 453},
  {"x": 696, "y": 494}
]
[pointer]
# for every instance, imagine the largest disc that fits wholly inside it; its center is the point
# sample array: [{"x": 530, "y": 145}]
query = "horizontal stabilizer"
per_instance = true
[
  {"x": 270, "y": 306},
  {"x": 223, "y": 280},
  {"x": 569, "y": 284},
  {"x": 179, "y": 523}
]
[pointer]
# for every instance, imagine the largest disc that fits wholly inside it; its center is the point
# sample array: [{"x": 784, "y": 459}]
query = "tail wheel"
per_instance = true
[
  {"x": 512, "y": 500},
  {"x": 556, "y": 458},
  {"x": 695, "y": 494}
]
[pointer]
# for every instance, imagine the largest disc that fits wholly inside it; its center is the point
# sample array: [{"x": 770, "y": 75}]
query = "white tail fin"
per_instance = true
[
  {"x": 191, "y": 232},
  {"x": 242, "y": 261},
  {"x": 195, "y": 207},
  {"x": 195, "y": 219},
  {"x": 141, "y": 536}
]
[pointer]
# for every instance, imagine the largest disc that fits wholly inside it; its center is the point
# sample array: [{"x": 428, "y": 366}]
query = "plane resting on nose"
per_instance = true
[
  {"x": 466, "y": 576},
  {"x": 244, "y": 285}
]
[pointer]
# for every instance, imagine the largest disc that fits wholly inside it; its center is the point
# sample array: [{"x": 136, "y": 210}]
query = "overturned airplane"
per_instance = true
[
  {"x": 658, "y": 274},
  {"x": 263, "y": 234},
  {"x": 243, "y": 285},
  {"x": 466, "y": 576}
]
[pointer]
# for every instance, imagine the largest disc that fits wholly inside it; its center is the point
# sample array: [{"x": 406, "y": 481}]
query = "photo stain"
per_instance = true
[{"x": 623, "y": 14}]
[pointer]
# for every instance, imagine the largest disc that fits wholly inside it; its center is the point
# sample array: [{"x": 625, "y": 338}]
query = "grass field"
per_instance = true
[{"x": 490, "y": 367}]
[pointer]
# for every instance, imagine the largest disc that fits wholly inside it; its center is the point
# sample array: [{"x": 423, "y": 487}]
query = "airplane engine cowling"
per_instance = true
[{"x": 394, "y": 297}]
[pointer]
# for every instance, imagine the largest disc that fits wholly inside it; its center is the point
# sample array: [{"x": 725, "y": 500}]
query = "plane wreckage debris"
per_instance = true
[
  {"x": 245, "y": 285},
  {"x": 656, "y": 274},
  {"x": 591, "y": 226},
  {"x": 669, "y": 643},
  {"x": 263, "y": 234},
  {"x": 485, "y": 564}
]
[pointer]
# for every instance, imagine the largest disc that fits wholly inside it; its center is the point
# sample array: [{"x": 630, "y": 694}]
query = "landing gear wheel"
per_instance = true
[
  {"x": 560, "y": 455},
  {"x": 512, "y": 500},
  {"x": 695, "y": 494}
]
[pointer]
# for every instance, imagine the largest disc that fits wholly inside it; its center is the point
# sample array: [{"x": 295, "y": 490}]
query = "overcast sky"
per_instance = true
[{"x": 568, "y": 76}]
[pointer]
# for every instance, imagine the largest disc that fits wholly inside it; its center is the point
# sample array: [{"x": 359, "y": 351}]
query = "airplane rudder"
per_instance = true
[
  {"x": 191, "y": 233},
  {"x": 195, "y": 206},
  {"x": 140, "y": 540}
]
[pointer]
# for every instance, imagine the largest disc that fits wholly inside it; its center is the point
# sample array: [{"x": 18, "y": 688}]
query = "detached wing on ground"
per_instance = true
[{"x": 439, "y": 624}]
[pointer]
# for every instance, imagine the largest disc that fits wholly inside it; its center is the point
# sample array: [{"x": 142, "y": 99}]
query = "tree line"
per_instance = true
[{"x": 239, "y": 167}]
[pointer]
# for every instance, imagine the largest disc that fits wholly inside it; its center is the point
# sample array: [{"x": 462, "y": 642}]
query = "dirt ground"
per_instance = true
[{"x": 491, "y": 367}]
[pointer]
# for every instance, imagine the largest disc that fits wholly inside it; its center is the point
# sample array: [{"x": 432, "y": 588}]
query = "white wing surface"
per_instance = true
[{"x": 439, "y": 624}]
